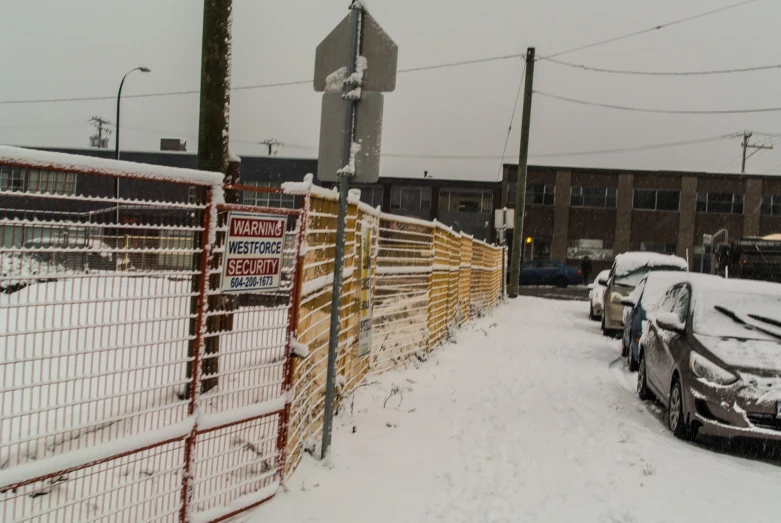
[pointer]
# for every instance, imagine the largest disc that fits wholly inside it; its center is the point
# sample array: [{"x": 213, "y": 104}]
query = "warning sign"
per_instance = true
[{"x": 253, "y": 252}]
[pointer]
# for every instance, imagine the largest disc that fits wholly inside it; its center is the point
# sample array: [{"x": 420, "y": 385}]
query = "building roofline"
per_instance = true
[{"x": 667, "y": 172}]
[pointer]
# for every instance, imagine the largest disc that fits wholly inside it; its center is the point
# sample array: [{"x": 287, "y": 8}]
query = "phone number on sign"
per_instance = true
[{"x": 244, "y": 282}]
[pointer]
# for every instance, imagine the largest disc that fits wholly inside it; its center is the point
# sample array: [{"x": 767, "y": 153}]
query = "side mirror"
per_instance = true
[
  {"x": 616, "y": 298},
  {"x": 591, "y": 286},
  {"x": 670, "y": 322},
  {"x": 628, "y": 302}
]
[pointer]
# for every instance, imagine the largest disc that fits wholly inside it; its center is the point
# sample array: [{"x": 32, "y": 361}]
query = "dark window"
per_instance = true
[
  {"x": 548, "y": 265},
  {"x": 723, "y": 203},
  {"x": 465, "y": 200},
  {"x": 660, "y": 247},
  {"x": 644, "y": 199},
  {"x": 268, "y": 199},
  {"x": 410, "y": 198},
  {"x": 593, "y": 197},
  {"x": 540, "y": 194},
  {"x": 656, "y": 200},
  {"x": 668, "y": 200},
  {"x": 11, "y": 178},
  {"x": 771, "y": 205},
  {"x": 681, "y": 304},
  {"x": 371, "y": 195}
]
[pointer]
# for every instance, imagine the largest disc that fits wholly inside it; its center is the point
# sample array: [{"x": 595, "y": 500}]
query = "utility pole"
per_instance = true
[
  {"x": 273, "y": 146},
  {"x": 101, "y": 127},
  {"x": 520, "y": 186},
  {"x": 213, "y": 152},
  {"x": 746, "y": 145}
]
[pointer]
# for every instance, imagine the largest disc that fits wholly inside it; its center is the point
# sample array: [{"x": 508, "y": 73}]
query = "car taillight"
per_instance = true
[{"x": 580, "y": 272}]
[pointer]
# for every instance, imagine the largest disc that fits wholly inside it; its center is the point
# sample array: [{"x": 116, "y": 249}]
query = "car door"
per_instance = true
[
  {"x": 673, "y": 343},
  {"x": 529, "y": 272},
  {"x": 654, "y": 348},
  {"x": 548, "y": 271}
]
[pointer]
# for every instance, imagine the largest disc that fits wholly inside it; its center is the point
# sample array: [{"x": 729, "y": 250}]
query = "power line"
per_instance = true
[
  {"x": 512, "y": 119},
  {"x": 661, "y": 111},
  {"x": 250, "y": 87},
  {"x": 648, "y": 30},
  {"x": 664, "y": 73}
]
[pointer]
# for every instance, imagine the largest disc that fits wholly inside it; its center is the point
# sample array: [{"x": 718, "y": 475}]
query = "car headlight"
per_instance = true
[{"x": 709, "y": 371}]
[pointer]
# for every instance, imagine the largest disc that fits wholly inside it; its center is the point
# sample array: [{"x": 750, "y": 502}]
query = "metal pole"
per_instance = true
[
  {"x": 520, "y": 186},
  {"x": 344, "y": 186},
  {"x": 116, "y": 141}
]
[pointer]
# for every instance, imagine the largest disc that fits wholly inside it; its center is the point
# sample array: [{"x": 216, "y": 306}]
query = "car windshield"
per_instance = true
[
  {"x": 632, "y": 278},
  {"x": 738, "y": 315}
]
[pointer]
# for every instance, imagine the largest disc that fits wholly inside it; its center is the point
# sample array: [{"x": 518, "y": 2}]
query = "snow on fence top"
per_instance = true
[
  {"x": 101, "y": 166},
  {"x": 308, "y": 187},
  {"x": 406, "y": 219}
]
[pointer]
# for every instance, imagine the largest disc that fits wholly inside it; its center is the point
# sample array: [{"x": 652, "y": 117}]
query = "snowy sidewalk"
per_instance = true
[{"x": 529, "y": 417}]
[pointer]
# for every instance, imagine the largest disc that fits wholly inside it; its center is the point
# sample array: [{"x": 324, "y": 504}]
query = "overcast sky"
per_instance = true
[{"x": 55, "y": 49}]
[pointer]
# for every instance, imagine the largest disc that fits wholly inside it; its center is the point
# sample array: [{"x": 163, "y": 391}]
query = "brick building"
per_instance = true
[{"x": 575, "y": 211}]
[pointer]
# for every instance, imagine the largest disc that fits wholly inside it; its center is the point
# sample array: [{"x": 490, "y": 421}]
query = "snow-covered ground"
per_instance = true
[{"x": 530, "y": 416}]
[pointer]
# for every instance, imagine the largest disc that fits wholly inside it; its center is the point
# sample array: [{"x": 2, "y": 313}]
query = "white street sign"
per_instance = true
[{"x": 253, "y": 252}]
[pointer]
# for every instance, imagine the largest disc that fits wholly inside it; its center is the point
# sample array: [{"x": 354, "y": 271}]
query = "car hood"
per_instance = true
[{"x": 763, "y": 356}]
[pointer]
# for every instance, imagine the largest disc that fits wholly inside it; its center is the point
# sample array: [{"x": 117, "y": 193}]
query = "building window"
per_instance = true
[
  {"x": 594, "y": 249},
  {"x": 771, "y": 205},
  {"x": 593, "y": 197},
  {"x": 656, "y": 200},
  {"x": 464, "y": 200},
  {"x": 371, "y": 195},
  {"x": 268, "y": 199},
  {"x": 540, "y": 194},
  {"x": 660, "y": 247},
  {"x": 52, "y": 182},
  {"x": 723, "y": 203},
  {"x": 11, "y": 178},
  {"x": 410, "y": 198}
]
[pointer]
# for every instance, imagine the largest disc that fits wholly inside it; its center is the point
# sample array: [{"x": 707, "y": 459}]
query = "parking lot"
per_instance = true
[{"x": 530, "y": 416}]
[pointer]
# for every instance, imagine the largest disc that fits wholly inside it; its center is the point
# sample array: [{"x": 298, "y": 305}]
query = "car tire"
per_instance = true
[
  {"x": 560, "y": 282},
  {"x": 631, "y": 364},
  {"x": 676, "y": 417},
  {"x": 623, "y": 347},
  {"x": 591, "y": 315},
  {"x": 642, "y": 381}
]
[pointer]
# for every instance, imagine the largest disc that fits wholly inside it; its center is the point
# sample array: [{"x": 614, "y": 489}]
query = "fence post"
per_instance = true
[
  {"x": 292, "y": 332},
  {"x": 202, "y": 308}
]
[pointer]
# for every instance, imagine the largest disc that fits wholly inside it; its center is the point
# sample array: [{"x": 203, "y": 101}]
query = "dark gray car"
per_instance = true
[{"x": 712, "y": 355}]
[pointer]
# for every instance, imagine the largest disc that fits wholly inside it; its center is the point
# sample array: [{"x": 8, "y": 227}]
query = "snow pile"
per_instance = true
[
  {"x": 335, "y": 81},
  {"x": 298, "y": 349},
  {"x": 349, "y": 169}
]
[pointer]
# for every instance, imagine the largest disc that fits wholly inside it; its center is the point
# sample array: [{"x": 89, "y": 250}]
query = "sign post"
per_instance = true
[{"x": 355, "y": 61}]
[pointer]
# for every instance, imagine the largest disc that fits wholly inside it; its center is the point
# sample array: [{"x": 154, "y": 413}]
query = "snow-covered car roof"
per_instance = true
[{"x": 631, "y": 261}]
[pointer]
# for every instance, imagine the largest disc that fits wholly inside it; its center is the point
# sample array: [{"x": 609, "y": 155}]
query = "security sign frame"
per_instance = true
[{"x": 254, "y": 249}]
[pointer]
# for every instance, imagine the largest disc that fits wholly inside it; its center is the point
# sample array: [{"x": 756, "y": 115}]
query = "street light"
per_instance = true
[
  {"x": 116, "y": 152},
  {"x": 119, "y": 97}
]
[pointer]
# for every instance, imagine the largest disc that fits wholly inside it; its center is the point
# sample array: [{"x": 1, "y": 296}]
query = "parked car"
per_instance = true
[
  {"x": 549, "y": 272},
  {"x": 711, "y": 356},
  {"x": 627, "y": 271},
  {"x": 639, "y": 304},
  {"x": 596, "y": 295}
]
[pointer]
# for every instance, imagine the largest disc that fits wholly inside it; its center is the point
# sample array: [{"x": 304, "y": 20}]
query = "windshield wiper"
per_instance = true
[{"x": 747, "y": 322}]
